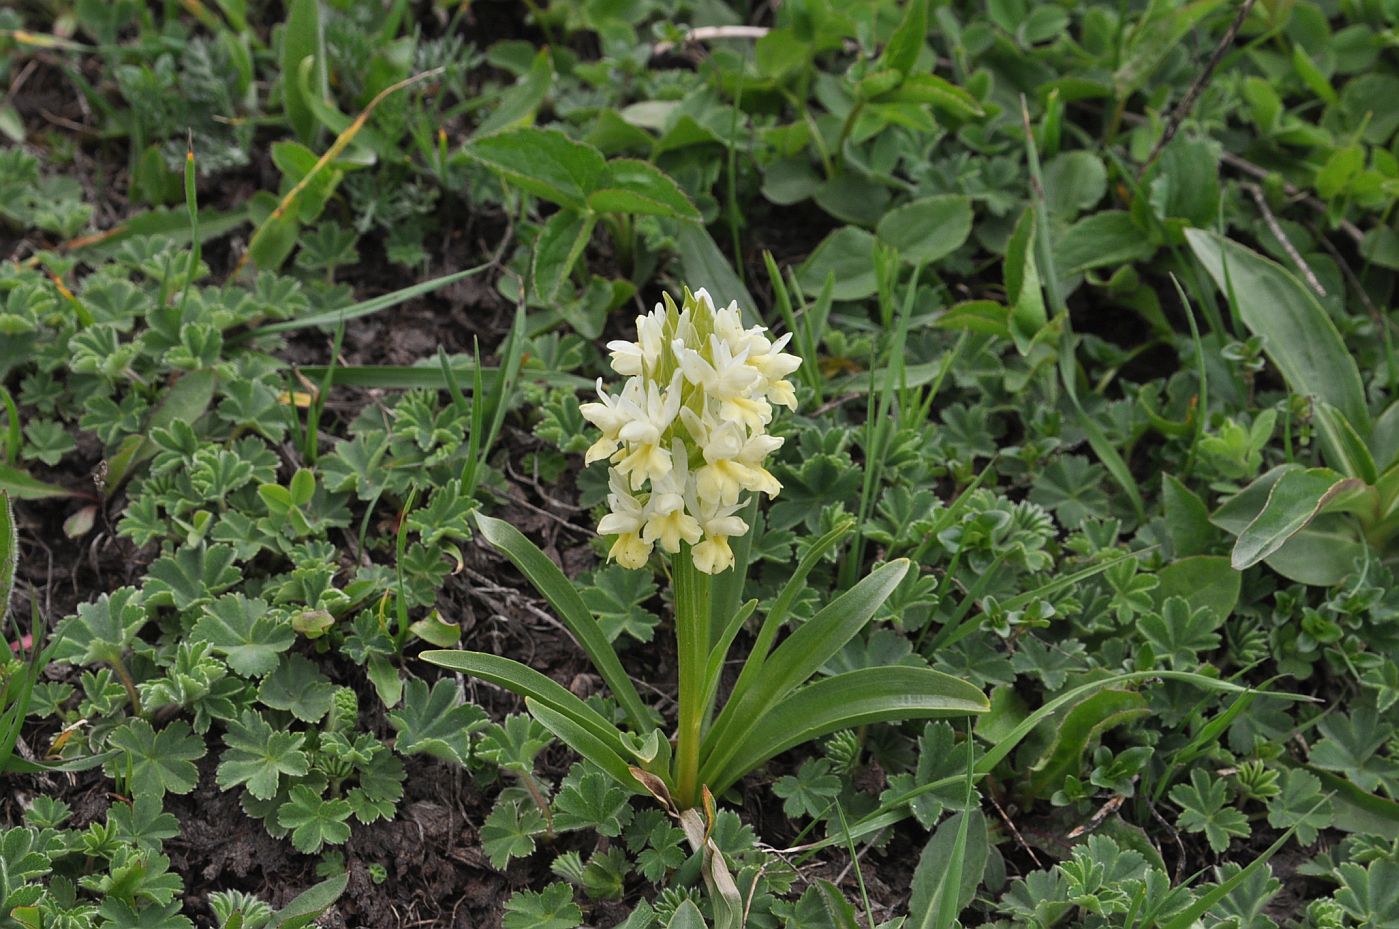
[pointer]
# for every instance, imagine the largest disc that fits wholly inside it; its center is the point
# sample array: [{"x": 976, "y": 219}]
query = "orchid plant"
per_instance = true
[{"x": 686, "y": 440}]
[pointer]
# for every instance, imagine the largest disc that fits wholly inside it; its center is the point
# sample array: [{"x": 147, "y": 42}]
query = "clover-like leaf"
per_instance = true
[
  {"x": 191, "y": 577},
  {"x": 514, "y": 743},
  {"x": 314, "y": 821},
  {"x": 298, "y": 687},
  {"x": 243, "y": 631},
  {"x": 1370, "y": 895},
  {"x": 1351, "y": 746},
  {"x": 436, "y": 722},
  {"x": 592, "y": 801},
  {"x": 810, "y": 791},
  {"x": 1204, "y": 808},
  {"x": 143, "y": 822},
  {"x": 155, "y": 762},
  {"x": 1302, "y": 804},
  {"x": 104, "y": 628},
  {"x": 509, "y": 831},
  {"x": 615, "y": 595},
  {"x": 553, "y": 908},
  {"x": 258, "y": 756},
  {"x": 1179, "y": 634}
]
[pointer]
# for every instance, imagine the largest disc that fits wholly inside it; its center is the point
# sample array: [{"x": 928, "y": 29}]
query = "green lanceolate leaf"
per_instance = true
[
  {"x": 1296, "y": 499},
  {"x": 584, "y": 743},
  {"x": 801, "y": 654},
  {"x": 21, "y": 486},
  {"x": 9, "y": 553},
  {"x": 302, "y": 38},
  {"x": 311, "y": 903},
  {"x": 563, "y": 596},
  {"x": 364, "y": 307},
  {"x": 524, "y": 681},
  {"x": 1022, "y": 278},
  {"x": 932, "y": 879},
  {"x": 184, "y": 402},
  {"x": 1297, "y": 334},
  {"x": 845, "y": 701}
]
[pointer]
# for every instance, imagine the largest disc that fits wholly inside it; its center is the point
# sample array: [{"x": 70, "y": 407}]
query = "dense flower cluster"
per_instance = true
[{"x": 687, "y": 434}]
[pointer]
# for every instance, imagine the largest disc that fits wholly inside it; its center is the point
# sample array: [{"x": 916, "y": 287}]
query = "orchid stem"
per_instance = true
[{"x": 692, "y": 646}]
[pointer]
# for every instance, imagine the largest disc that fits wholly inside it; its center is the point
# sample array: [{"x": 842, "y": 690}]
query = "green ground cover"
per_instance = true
[{"x": 1066, "y": 598}]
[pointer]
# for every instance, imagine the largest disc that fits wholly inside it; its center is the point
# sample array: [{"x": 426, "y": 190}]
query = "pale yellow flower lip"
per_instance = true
[{"x": 686, "y": 437}]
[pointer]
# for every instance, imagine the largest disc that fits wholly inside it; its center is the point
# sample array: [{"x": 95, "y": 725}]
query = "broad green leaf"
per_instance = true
[
  {"x": 772, "y": 622},
  {"x": 1073, "y": 182},
  {"x": 1152, "y": 37},
  {"x": 1099, "y": 240},
  {"x": 802, "y": 654},
  {"x": 543, "y": 162},
  {"x": 573, "y": 612},
  {"x": 1358, "y": 810},
  {"x": 19, "y": 485},
  {"x": 1201, "y": 580},
  {"x": 1235, "y": 513},
  {"x": 901, "y": 51},
  {"x": 628, "y": 185},
  {"x": 582, "y": 741},
  {"x": 1295, "y": 500},
  {"x": 848, "y": 254},
  {"x": 687, "y": 916},
  {"x": 822, "y": 906},
  {"x": 1355, "y": 459},
  {"x": 519, "y": 104},
  {"x": 1320, "y": 555},
  {"x": 557, "y": 249},
  {"x": 925, "y": 230},
  {"x": 1187, "y": 518},
  {"x": 942, "y": 94},
  {"x": 185, "y": 402},
  {"x": 1297, "y": 333},
  {"x": 845, "y": 701},
  {"x": 931, "y": 875},
  {"x": 896, "y": 808}
]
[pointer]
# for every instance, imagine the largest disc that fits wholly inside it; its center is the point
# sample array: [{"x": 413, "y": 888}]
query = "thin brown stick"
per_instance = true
[
  {"x": 1257, "y": 193},
  {"x": 1187, "y": 103}
]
